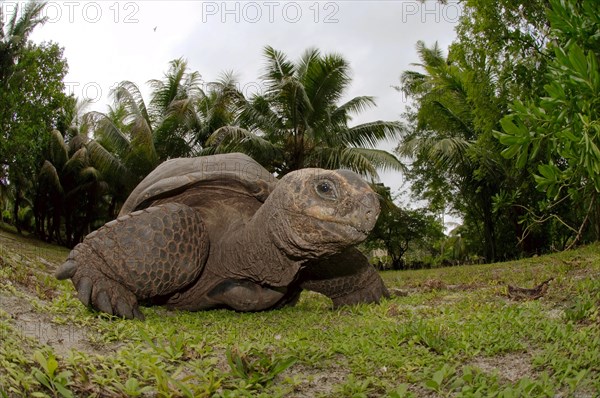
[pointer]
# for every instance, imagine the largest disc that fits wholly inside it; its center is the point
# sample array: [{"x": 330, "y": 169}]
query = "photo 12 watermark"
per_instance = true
[
  {"x": 270, "y": 11},
  {"x": 79, "y": 11},
  {"x": 430, "y": 11},
  {"x": 44, "y": 332},
  {"x": 90, "y": 92},
  {"x": 94, "y": 92}
]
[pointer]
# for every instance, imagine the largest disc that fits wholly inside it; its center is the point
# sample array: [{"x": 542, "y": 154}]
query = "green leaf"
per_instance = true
[
  {"x": 555, "y": 90},
  {"x": 548, "y": 171},
  {"x": 432, "y": 384},
  {"x": 438, "y": 377},
  {"x": 523, "y": 157},
  {"x": 578, "y": 60},
  {"x": 63, "y": 391},
  {"x": 511, "y": 151},
  {"x": 51, "y": 366},
  {"x": 509, "y": 126},
  {"x": 42, "y": 378}
]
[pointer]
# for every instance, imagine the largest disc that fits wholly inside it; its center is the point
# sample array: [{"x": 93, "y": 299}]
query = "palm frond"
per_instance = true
[
  {"x": 381, "y": 159},
  {"x": 258, "y": 114},
  {"x": 363, "y": 161},
  {"x": 432, "y": 56},
  {"x": 342, "y": 158},
  {"x": 49, "y": 177},
  {"x": 90, "y": 174},
  {"x": 325, "y": 82},
  {"x": 277, "y": 67},
  {"x": 58, "y": 149},
  {"x": 107, "y": 133},
  {"x": 371, "y": 133},
  {"x": 129, "y": 95},
  {"x": 446, "y": 152},
  {"x": 294, "y": 101},
  {"x": 227, "y": 135},
  {"x": 229, "y": 139},
  {"x": 355, "y": 105},
  {"x": 177, "y": 84},
  {"x": 77, "y": 162},
  {"x": 310, "y": 56},
  {"x": 23, "y": 23},
  {"x": 109, "y": 165}
]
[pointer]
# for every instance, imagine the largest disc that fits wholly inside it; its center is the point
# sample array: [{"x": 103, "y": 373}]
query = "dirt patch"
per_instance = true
[
  {"x": 29, "y": 323},
  {"x": 511, "y": 367},
  {"x": 317, "y": 382}
]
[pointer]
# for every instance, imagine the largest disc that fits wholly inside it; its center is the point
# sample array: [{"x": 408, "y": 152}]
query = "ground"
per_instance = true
[{"x": 448, "y": 332}]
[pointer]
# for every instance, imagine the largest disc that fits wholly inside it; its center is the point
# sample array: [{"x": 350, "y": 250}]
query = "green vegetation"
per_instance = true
[
  {"x": 503, "y": 130},
  {"x": 455, "y": 333},
  {"x": 31, "y": 102},
  {"x": 559, "y": 133}
]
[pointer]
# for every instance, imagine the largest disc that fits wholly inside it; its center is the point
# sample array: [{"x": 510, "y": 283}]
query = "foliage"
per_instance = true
[
  {"x": 455, "y": 333},
  {"x": 48, "y": 376},
  {"x": 506, "y": 56},
  {"x": 505, "y": 39},
  {"x": 399, "y": 230},
  {"x": 560, "y": 132},
  {"x": 454, "y": 161},
  {"x": 31, "y": 96},
  {"x": 298, "y": 123},
  {"x": 137, "y": 136},
  {"x": 256, "y": 368},
  {"x": 69, "y": 188}
]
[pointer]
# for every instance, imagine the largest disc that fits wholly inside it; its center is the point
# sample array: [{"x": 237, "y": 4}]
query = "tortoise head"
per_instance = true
[{"x": 318, "y": 212}]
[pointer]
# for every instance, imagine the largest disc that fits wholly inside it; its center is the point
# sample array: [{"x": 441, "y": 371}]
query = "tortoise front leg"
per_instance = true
[
  {"x": 142, "y": 256},
  {"x": 346, "y": 278}
]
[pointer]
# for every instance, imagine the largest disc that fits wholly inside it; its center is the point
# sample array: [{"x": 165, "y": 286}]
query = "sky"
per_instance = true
[{"x": 106, "y": 42}]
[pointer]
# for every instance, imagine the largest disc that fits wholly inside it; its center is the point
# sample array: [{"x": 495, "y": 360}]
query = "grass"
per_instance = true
[{"x": 454, "y": 334}]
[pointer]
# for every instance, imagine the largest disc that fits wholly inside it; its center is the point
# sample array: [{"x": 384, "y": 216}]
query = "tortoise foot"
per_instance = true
[{"x": 97, "y": 291}]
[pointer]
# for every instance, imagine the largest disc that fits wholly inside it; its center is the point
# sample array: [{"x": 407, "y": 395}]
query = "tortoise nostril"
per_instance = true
[{"x": 370, "y": 202}]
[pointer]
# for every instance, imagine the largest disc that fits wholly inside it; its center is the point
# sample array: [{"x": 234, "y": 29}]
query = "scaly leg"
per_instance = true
[{"x": 140, "y": 256}]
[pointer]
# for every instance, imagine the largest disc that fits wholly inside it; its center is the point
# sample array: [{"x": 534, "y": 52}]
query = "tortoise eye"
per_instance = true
[{"x": 326, "y": 189}]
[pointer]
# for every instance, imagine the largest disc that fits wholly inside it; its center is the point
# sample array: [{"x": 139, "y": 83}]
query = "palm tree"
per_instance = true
[
  {"x": 125, "y": 135},
  {"x": 451, "y": 152},
  {"x": 70, "y": 187},
  {"x": 14, "y": 35},
  {"x": 134, "y": 136},
  {"x": 219, "y": 107},
  {"x": 298, "y": 123},
  {"x": 172, "y": 110}
]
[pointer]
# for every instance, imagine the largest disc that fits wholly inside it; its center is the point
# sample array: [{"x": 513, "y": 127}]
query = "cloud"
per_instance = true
[{"x": 106, "y": 42}]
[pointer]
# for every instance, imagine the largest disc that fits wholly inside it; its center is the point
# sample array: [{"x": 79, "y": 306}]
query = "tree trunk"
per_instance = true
[
  {"x": 16, "y": 205},
  {"x": 397, "y": 263}
]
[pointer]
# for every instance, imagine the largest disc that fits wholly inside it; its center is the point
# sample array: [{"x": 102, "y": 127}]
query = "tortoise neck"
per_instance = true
[{"x": 256, "y": 253}]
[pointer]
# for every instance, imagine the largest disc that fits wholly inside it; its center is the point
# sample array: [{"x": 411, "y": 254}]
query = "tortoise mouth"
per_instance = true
[
  {"x": 349, "y": 231},
  {"x": 358, "y": 229},
  {"x": 360, "y": 233},
  {"x": 361, "y": 221}
]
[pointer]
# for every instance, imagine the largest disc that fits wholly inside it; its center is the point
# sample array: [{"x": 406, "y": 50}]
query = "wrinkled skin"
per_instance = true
[{"x": 224, "y": 240}]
